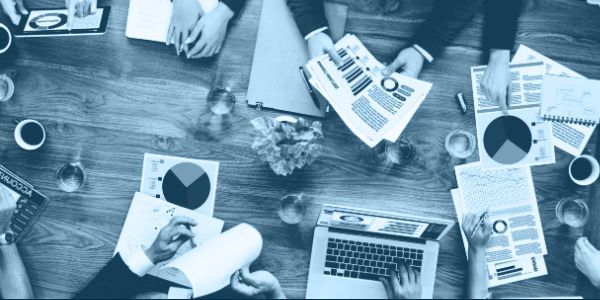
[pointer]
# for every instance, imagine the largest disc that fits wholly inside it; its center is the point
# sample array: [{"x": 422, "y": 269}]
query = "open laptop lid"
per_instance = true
[
  {"x": 392, "y": 224},
  {"x": 275, "y": 79}
]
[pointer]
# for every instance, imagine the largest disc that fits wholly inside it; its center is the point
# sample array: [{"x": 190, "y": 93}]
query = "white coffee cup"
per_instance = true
[
  {"x": 9, "y": 43},
  {"x": 23, "y": 141},
  {"x": 585, "y": 179}
]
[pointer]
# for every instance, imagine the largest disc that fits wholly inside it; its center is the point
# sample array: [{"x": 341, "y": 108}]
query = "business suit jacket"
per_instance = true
[
  {"x": 441, "y": 27},
  {"x": 234, "y": 5}
]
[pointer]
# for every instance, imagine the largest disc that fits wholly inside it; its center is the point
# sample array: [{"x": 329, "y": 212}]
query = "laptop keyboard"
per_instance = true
[{"x": 353, "y": 259}]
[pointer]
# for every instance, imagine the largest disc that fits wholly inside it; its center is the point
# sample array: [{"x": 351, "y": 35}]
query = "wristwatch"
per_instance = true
[{"x": 7, "y": 238}]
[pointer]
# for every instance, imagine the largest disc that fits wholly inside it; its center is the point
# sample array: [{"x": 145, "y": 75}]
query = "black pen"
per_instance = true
[
  {"x": 481, "y": 219},
  {"x": 309, "y": 88}
]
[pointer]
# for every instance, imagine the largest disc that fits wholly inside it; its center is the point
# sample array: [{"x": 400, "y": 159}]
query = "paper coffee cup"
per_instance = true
[
  {"x": 584, "y": 172},
  {"x": 26, "y": 142}
]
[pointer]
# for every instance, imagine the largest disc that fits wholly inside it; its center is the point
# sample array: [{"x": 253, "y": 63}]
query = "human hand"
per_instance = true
[
  {"x": 256, "y": 283},
  {"x": 496, "y": 83},
  {"x": 406, "y": 285},
  {"x": 183, "y": 18},
  {"x": 482, "y": 236},
  {"x": 320, "y": 44},
  {"x": 410, "y": 60},
  {"x": 7, "y": 209},
  {"x": 82, "y": 8},
  {"x": 209, "y": 33},
  {"x": 587, "y": 260},
  {"x": 13, "y": 9},
  {"x": 170, "y": 238}
]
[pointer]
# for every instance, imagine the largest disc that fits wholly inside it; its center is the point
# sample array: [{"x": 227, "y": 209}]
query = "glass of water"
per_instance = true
[
  {"x": 461, "y": 144},
  {"x": 7, "y": 88},
  {"x": 220, "y": 100},
  {"x": 572, "y": 212},
  {"x": 399, "y": 153},
  {"x": 71, "y": 176},
  {"x": 292, "y": 208}
]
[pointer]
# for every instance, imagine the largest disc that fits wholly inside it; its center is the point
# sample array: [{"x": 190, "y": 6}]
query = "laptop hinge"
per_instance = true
[{"x": 377, "y": 235}]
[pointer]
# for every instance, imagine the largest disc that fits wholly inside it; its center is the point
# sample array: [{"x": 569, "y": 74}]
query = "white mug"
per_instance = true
[
  {"x": 594, "y": 173},
  {"x": 19, "y": 135},
  {"x": 3, "y": 27}
]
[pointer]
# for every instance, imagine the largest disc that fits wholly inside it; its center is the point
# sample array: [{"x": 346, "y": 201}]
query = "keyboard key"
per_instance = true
[
  {"x": 393, "y": 253},
  {"x": 360, "y": 261},
  {"x": 369, "y": 269},
  {"x": 419, "y": 256},
  {"x": 333, "y": 265},
  {"x": 388, "y": 259},
  {"x": 368, "y": 276},
  {"x": 418, "y": 269},
  {"x": 346, "y": 273},
  {"x": 369, "y": 256},
  {"x": 351, "y": 242},
  {"x": 379, "y": 251},
  {"x": 336, "y": 252},
  {"x": 355, "y": 254},
  {"x": 343, "y": 252},
  {"x": 326, "y": 272},
  {"x": 373, "y": 263},
  {"x": 363, "y": 256},
  {"x": 362, "y": 269},
  {"x": 386, "y": 252},
  {"x": 330, "y": 258},
  {"x": 330, "y": 239},
  {"x": 343, "y": 266},
  {"x": 329, "y": 251},
  {"x": 340, "y": 259},
  {"x": 413, "y": 255},
  {"x": 353, "y": 261},
  {"x": 354, "y": 274},
  {"x": 420, "y": 251},
  {"x": 360, "y": 248},
  {"x": 346, "y": 247},
  {"x": 331, "y": 245},
  {"x": 417, "y": 263},
  {"x": 381, "y": 271}
]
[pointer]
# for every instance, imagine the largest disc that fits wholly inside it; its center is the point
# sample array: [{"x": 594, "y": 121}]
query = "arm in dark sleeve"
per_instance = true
[
  {"x": 234, "y": 5},
  {"x": 115, "y": 280},
  {"x": 444, "y": 24},
  {"x": 309, "y": 14},
  {"x": 501, "y": 18}
]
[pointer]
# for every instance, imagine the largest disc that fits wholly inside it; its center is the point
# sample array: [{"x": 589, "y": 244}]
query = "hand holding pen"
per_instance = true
[{"x": 477, "y": 228}]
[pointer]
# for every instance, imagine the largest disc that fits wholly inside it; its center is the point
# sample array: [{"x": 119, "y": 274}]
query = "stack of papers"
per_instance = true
[
  {"x": 373, "y": 106},
  {"x": 517, "y": 246}
]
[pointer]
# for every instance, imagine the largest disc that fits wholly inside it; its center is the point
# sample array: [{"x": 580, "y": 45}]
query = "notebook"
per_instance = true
[
  {"x": 570, "y": 100},
  {"x": 275, "y": 80}
]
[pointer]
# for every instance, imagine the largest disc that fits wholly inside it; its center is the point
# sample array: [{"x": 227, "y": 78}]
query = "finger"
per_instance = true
[
  {"x": 247, "y": 277},
  {"x": 219, "y": 49},
  {"x": 502, "y": 101},
  {"x": 589, "y": 245},
  {"x": 235, "y": 280},
  {"x": 184, "y": 37},
  {"x": 399, "y": 62},
  {"x": 411, "y": 276},
  {"x": 198, "y": 48},
  {"x": 509, "y": 92},
  {"x": 86, "y": 8},
  {"x": 93, "y": 6},
  {"x": 179, "y": 234},
  {"x": 395, "y": 281},
  {"x": 71, "y": 14},
  {"x": 21, "y": 7},
  {"x": 11, "y": 12},
  {"x": 580, "y": 244},
  {"x": 387, "y": 287},
  {"x": 404, "y": 280},
  {"x": 170, "y": 32},
  {"x": 487, "y": 227},
  {"x": 195, "y": 32},
  {"x": 337, "y": 60},
  {"x": 181, "y": 220},
  {"x": 177, "y": 40},
  {"x": 205, "y": 51},
  {"x": 80, "y": 9}
]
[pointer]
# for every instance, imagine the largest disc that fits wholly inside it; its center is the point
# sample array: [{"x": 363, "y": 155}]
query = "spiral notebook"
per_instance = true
[{"x": 570, "y": 100}]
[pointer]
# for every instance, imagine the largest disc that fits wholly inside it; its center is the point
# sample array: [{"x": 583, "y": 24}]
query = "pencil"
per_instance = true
[{"x": 478, "y": 224}]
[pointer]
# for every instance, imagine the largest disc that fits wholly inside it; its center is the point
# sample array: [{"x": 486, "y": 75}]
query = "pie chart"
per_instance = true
[
  {"x": 186, "y": 185},
  {"x": 507, "y": 140}
]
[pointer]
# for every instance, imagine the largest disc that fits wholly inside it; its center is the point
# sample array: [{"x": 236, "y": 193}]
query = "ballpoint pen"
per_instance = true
[{"x": 481, "y": 219}]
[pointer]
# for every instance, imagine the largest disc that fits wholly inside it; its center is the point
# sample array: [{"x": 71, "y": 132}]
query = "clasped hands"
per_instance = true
[{"x": 196, "y": 33}]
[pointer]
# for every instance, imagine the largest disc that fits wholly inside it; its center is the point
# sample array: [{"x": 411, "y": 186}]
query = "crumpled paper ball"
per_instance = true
[{"x": 287, "y": 146}]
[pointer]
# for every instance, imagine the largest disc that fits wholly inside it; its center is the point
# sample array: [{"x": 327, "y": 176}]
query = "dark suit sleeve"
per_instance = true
[
  {"x": 115, "y": 280},
  {"x": 309, "y": 14},
  {"x": 501, "y": 21},
  {"x": 444, "y": 24},
  {"x": 235, "y": 5}
]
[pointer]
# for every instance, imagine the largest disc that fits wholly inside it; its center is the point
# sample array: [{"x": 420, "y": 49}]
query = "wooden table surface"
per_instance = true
[{"x": 106, "y": 100}]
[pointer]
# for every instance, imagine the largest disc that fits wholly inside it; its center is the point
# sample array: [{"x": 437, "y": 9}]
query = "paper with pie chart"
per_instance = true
[
  {"x": 521, "y": 137},
  {"x": 189, "y": 183}
]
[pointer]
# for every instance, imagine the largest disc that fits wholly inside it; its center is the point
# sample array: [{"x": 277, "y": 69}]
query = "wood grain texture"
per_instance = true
[{"x": 107, "y": 100}]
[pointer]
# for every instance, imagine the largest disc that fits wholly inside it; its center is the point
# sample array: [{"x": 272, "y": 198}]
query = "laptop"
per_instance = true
[{"x": 352, "y": 248}]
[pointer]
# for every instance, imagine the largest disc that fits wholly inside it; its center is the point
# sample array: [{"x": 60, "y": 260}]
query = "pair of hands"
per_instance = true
[
  {"x": 195, "y": 32},
  {"x": 403, "y": 285},
  {"x": 14, "y": 9},
  {"x": 409, "y": 60}
]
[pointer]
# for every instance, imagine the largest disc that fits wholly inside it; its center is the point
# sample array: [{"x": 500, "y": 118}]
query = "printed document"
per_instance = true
[
  {"x": 509, "y": 196},
  {"x": 503, "y": 272},
  {"x": 571, "y": 138}
]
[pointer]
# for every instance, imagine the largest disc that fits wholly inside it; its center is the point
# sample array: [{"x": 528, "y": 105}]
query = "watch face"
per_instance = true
[{"x": 7, "y": 238}]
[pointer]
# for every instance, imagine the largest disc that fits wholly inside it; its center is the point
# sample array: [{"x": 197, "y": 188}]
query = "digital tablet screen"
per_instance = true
[{"x": 54, "y": 22}]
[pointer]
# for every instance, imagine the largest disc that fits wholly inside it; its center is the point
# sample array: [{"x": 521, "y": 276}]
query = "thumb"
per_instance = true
[
  {"x": 399, "y": 62},
  {"x": 247, "y": 277},
  {"x": 21, "y": 7},
  {"x": 93, "y": 6},
  {"x": 334, "y": 56},
  {"x": 11, "y": 12},
  {"x": 70, "y": 15},
  {"x": 196, "y": 32}
]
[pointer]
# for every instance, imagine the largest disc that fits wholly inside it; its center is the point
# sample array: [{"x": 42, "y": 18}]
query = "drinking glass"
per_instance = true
[
  {"x": 399, "y": 153},
  {"x": 7, "y": 88},
  {"x": 461, "y": 144},
  {"x": 71, "y": 176},
  {"x": 292, "y": 208},
  {"x": 220, "y": 100},
  {"x": 572, "y": 212}
]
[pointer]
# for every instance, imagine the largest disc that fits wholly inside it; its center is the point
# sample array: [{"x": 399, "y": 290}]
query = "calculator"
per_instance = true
[{"x": 30, "y": 203}]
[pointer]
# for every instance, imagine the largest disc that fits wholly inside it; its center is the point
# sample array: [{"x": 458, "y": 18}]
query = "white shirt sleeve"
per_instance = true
[
  {"x": 308, "y": 36},
  {"x": 208, "y": 5},
  {"x": 423, "y": 52},
  {"x": 139, "y": 263}
]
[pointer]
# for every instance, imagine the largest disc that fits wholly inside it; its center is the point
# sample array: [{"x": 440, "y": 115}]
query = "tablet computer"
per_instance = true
[{"x": 53, "y": 22}]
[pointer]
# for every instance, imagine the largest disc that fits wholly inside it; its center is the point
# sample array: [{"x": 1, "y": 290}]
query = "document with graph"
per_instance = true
[
  {"x": 571, "y": 138},
  {"x": 509, "y": 196},
  {"x": 373, "y": 106},
  {"x": 504, "y": 272}
]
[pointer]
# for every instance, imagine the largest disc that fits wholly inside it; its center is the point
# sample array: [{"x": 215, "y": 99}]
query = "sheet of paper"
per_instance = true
[
  {"x": 372, "y": 106},
  {"x": 571, "y": 99},
  {"x": 209, "y": 267},
  {"x": 510, "y": 197},
  {"x": 520, "y": 138},
  {"x": 157, "y": 166},
  {"x": 149, "y": 20},
  {"x": 569, "y": 137},
  {"x": 505, "y": 272},
  {"x": 147, "y": 216}
]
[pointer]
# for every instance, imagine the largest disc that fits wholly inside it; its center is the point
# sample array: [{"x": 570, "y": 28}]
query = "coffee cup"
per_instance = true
[
  {"x": 5, "y": 38},
  {"x": 29, "y": 134},
  {"x": 584, "y": 170}
]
